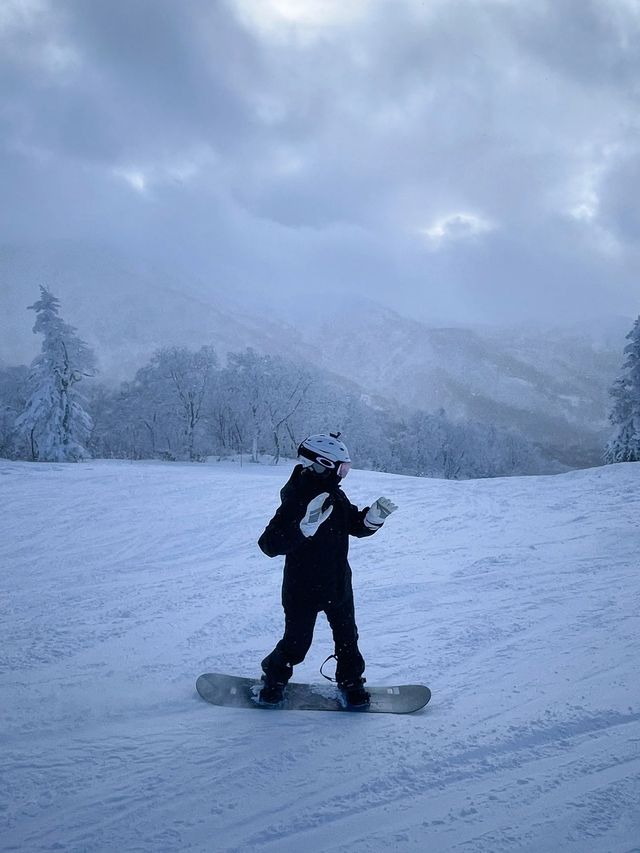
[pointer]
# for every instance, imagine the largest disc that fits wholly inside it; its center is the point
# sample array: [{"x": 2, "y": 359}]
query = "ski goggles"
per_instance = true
[{"x": 341, "y": 468}]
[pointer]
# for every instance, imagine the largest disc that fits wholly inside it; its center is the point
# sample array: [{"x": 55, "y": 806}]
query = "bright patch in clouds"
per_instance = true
[
  {"x": 588, "y": 183},
  {"x": 456, "y": 227},
  {"x": 134, "y": 177},
  {"x": 586, "y": 201},
  {"x": 180, "y": 170},
  {"x": 281, "y": 18}
]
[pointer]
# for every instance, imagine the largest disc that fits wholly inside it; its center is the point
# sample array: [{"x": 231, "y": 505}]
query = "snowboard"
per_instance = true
[{"x": 236, "y": 692}]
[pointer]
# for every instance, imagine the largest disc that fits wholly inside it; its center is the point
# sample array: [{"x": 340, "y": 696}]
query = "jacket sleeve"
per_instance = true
[
  {"x": 283, "y": 533},
  {"x": 357, "y": 527}
]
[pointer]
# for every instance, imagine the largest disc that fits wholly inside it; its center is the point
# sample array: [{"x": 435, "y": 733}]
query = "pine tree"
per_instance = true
[
  {"x": 54, "y": 422},
  {"x": 624, "y": 445}
]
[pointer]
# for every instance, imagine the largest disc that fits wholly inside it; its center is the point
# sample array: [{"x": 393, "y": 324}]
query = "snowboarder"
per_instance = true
[{"x": 311, "y": 528}]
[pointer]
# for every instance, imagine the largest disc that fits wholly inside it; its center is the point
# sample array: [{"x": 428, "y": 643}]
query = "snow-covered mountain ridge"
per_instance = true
[
  {"x": 517, "y": 600},
  {"x": 551, "y": 385},
  {"x": 123, "y": 308}
]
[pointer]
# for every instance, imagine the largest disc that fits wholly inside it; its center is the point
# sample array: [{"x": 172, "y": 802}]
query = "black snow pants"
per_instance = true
[{"x": 298, "y": 635}]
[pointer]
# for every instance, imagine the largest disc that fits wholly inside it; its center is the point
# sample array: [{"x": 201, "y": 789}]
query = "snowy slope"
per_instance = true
[{"x": 516, "y": 600}]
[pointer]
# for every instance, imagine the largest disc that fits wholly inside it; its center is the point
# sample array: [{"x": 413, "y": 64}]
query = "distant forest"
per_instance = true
[
  {"x": 183, "y": 405},
  {"x": 188, "y": 405}
]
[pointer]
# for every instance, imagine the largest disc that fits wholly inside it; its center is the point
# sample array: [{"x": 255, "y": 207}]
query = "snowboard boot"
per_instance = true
[
  {"x": 272, "y": 692},
  {"x": 355, "y": 695}
]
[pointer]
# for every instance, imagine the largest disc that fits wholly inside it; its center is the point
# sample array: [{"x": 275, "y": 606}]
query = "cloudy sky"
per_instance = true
[{"x": 474, "y": 160}]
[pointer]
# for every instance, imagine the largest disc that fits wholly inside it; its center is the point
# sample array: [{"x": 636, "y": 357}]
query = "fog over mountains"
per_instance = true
[{"x": 551, "y": 384}]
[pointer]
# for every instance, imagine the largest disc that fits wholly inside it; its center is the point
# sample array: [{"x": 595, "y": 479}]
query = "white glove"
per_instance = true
[
  {"x": 314, "y": 515},
  {"x": 378, "y": 512}
]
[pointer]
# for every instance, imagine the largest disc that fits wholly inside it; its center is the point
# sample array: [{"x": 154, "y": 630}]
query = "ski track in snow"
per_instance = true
[{"x": 516, "y": 600}]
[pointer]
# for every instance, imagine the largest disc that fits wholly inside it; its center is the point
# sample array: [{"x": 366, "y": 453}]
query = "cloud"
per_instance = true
[
  {"x": 478, "y": 159},
  {"x": 456, "y": 227},
  {"x": 290, "y": 20}
]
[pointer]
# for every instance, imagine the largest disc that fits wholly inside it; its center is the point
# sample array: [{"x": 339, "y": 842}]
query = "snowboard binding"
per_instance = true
[
  {"x": 272, "y": 693},
  {"x": 355, "y": 696}
]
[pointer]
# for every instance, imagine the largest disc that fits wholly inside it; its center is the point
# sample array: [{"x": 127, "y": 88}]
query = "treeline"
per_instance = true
[
  {"x": 187, "y": 405},
  {"x": 184, "y": 405}
]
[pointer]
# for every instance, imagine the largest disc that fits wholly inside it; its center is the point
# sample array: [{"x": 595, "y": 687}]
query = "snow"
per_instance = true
[{"x": 516, "y": 600}]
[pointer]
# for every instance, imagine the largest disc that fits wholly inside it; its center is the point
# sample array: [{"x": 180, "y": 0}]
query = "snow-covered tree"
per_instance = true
[
  {"x": 54, "y": 422},
  {"x": 13, "y": 383},
  {"x": 188, "y": 375},
  {"x": 160, "y": 413},
  {"x": 267, "y": 393},
  {"x": 624, "y": 445},
  {"x": 288, "y": 390}
]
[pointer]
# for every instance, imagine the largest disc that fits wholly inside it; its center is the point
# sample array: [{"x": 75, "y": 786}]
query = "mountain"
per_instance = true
[
  {"x": 550, "y": 384},
  {"x": 124, "y": 308}
]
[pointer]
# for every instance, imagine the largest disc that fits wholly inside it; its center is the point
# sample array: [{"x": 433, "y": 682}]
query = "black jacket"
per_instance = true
[{"x": 316, "y": 569}]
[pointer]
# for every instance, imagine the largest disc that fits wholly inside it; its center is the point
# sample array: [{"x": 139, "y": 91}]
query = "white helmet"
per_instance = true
[{"x": 326, "y": 451}]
